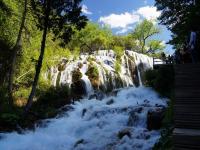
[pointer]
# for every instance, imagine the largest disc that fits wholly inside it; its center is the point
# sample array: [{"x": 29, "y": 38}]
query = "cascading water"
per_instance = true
[
  {"x": 105, "y": 61},
  {"x": 95, "y": 125},
  {"x": 116, "y": 122}
]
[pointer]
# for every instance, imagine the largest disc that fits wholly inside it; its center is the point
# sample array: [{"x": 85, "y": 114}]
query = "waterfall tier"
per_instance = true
[{"x": 110, "y": 74}]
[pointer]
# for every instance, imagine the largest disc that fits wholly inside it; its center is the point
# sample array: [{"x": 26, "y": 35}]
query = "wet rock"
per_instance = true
[
  {"x": 81, "y": 141},
  {"x": 93, "y": 96},
  {"x": 124, "y": 132},
  {"x": 133, "y": 116},
  {"x": 146, "y": 101},
  {"x": 144, "y": 136},
  {"x": 111, "y": 101},
  {"x": 83, "y": 112},
  {"x": 114, "y": 93},
  {"x": 98, "y": 95},
  {"x": 133, "y": 119},
  {"x": 78, "y": 89},
  {"x": 154, "y": 118}
]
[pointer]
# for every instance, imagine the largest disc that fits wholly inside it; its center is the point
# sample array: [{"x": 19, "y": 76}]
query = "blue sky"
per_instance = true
[{"x": 123, "y": 15}]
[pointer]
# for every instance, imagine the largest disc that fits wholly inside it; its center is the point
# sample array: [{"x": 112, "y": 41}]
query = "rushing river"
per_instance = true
[{"x": 95, "y": 125}]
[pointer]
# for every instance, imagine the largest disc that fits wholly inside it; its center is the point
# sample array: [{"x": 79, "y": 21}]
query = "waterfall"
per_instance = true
[
  {"x": 115, "y": 122},
  {"x": 88, "y": 85},
  {"x": 132, "y": 65}
]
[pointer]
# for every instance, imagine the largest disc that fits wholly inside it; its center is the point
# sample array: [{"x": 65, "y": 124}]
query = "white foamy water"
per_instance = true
[
  {"x": 132, "y": 64},
  {"x": 95, "y": 124}
]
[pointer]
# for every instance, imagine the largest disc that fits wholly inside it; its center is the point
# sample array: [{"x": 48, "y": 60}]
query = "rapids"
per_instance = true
[{"x": 95, "y": 125}]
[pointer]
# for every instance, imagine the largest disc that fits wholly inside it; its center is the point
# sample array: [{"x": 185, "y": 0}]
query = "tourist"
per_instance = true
[{"x": 192, "y": 45}]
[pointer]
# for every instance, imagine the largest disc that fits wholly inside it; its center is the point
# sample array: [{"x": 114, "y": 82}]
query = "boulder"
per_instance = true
[
  {"x": 154, "y": 118},
  {"x": 81, "y": 141},
  {"x": 111, "y": 101},
  {"x": 98, "y": 95},
  {"x": 124, "y": 132}
]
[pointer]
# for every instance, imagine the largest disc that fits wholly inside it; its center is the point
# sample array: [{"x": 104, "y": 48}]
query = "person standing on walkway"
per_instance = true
[{"x": 192, "y": 45}]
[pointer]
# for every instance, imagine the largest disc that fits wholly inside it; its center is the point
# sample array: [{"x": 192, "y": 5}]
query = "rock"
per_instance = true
[
  {"x": 111, "y": 101},
  {"x": 124, "y": 132},
  {"x": 154, "y": 118},
  {"x": 144, "y": 136},
  {"x": 114, "y": 93},
  {"x": 83, "y": 112},
  {"x": 133, "y": 119},
  {"x": 81, "y": 141},
  {"x": 78, "y": 89},
  {"x": 133, "y": 116},
  {"x": 98, "y": 95},
  {"x": 146, "y": 101},
  {"x": 93, "y": 96}
]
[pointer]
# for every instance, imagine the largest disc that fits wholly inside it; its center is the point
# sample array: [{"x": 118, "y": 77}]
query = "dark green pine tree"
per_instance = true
[{"x": 59, "y": 17}]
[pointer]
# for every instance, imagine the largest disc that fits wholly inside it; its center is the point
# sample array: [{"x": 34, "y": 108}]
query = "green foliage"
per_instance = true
[
  {"x": 143, "y": 31},
  {"x": 156, "y": 45},
  {"x": 117, "y": 66},
  {"x": 9, "y": 118},
  {"x": 91, "y": 38},
  {"x": 161, "y": 80},
  {"x": 179, "y": 17},
  {"x": 93, "y": 72},
  {"x": 119, "y": 52}
]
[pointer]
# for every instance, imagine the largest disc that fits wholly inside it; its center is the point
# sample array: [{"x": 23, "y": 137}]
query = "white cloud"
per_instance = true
[
  {"x": 149, "y": 12},
  {"x": 120, "y": 20},
  {"x": 85, "y": 10},
  {"x": 125, "y": 20}
]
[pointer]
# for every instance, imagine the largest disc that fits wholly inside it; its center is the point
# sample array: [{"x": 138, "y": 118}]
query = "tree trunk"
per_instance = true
[
  {"x": 39, "y": 65},
  {"x": 143, "y": 45},
  {"x": 16, "y": 49}
]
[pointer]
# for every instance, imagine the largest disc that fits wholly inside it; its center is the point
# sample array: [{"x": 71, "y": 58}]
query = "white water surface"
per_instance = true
[{"x": 95, "y": 123}]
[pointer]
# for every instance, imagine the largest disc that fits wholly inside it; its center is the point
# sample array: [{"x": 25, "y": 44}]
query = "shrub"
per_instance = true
[
  {"x": 117, "y": 67},
  {"x": 93, "y": 72},
  {"x": 162, "y": 80},
  {"x": 118, "y": 51}
]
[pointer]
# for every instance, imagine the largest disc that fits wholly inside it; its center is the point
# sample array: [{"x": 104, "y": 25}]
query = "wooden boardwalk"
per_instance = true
[{"x": 186, "y": 135}]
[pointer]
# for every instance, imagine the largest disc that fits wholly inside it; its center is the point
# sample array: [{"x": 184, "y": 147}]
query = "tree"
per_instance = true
[
  {"x": 156, "y": 46},
  {"x": 143, "y": 32},
  {"x": 91, "y": 38},
  {"x": 16, "y": 50},
  {"x": 179, "y": 16},
  {"x": 57, "y": 16}
]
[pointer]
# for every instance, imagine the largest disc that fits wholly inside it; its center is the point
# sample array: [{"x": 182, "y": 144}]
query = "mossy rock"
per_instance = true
[
  {"x": 93, "y": 75},
  {"x": 80, "y": 65},
  {"x": 78, "y": 89},
  {"x": 61, "y": 67},
  {"x": 76, "y": 75}
]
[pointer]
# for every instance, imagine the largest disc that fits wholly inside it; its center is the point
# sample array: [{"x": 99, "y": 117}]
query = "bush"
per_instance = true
[
  {"x": 162, "y": 80},
  {"x": 93, "y": 72},
  {"x": 117, "y": 67},
  {"x": 118, "y": 51}
]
